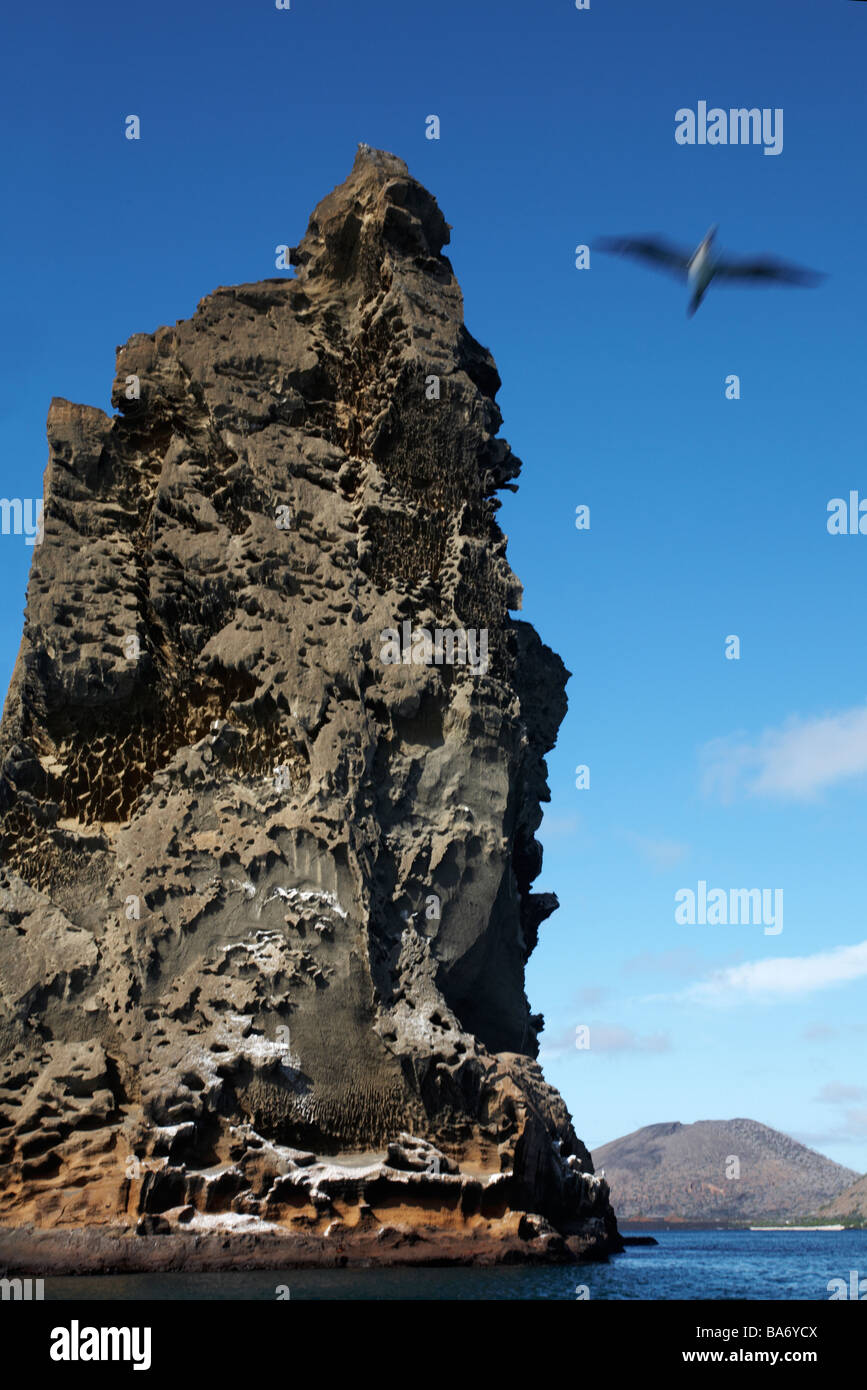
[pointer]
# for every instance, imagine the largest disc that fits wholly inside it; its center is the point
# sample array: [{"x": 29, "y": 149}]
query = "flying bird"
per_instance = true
[{"x": 701, "y": 266}]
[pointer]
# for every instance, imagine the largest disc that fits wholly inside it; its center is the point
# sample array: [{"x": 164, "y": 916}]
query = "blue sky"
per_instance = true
[{"x": 708, "y": 516}]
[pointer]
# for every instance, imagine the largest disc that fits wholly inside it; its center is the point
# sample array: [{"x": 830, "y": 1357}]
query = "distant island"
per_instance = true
[{"x": 727, "y": 1173}]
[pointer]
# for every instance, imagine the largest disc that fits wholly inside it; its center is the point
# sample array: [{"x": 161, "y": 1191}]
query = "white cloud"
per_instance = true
[
  {"x": 591, "y": 994},
  {"x": 560, "y": 825},
  {"x": 784, "y": 977},
  {"x": 837, "y": 1093},
  {"x": 819, "y": 1032},
  {"x": 680, "y": 960},
  {"x": 659, "y": 854},
  {"x": 852, "y": 1130},
  {"x": 793, "y": 762},
  {"x": 604, "y": 1038},
  {"x": 614, "y": 1039}
]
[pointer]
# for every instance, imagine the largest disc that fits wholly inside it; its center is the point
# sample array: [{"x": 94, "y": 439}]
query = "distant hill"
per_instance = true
[
  {"x": 849, "y": 1206},
  {"x": 675, "y": 1172}
]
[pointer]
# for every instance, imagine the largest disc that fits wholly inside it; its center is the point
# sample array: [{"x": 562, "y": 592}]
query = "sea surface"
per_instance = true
[{"x": 686, "y": 1264}]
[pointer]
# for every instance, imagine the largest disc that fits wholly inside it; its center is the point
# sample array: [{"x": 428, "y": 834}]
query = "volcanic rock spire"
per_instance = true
[{"x": 271, "y": 766}]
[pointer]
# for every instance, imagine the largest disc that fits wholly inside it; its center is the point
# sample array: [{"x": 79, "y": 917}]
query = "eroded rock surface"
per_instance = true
[{"x": 266, "y": 898}]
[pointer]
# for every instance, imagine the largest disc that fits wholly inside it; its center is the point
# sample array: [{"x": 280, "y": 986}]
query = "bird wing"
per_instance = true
[
  {"x": 658, "y": 252},
  {"x": 767, "y": 268}
]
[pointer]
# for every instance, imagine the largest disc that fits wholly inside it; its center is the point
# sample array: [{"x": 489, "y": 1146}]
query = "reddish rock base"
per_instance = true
[{"x": 116, "y": 1249}]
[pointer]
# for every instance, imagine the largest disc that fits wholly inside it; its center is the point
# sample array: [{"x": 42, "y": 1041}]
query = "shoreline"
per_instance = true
[
  {"x": 627, "y": 1226},
  {"x": 40, "y": 1252}
]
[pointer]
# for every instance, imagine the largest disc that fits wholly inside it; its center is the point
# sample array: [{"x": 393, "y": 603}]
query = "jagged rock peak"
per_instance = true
[{"x": 379, "y": 204}]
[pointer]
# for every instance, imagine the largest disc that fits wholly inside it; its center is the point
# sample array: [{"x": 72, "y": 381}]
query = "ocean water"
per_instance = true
[{"x": 686, "y": 1264}]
